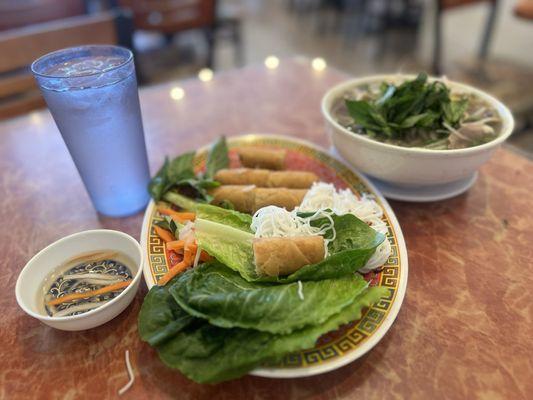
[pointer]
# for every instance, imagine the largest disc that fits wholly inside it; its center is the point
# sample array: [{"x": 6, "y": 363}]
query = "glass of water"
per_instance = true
[{"x": 91, "y": 92}]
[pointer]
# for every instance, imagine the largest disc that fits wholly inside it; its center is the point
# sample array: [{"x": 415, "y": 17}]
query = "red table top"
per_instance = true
[{"x": 465, "y": 328}]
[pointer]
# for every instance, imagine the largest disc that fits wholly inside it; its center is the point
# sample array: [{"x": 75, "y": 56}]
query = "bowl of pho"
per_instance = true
[
  {"x": 415, "y": 131},
  {"x": 81, "y": 281}
]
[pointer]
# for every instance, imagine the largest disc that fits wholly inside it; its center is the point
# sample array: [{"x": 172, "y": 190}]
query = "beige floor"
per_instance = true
[{"x": 269, "y": 28}]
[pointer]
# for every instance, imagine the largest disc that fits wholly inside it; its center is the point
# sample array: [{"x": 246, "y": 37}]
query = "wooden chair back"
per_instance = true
[
  {"x": 19, "y": 13},
  {"x": 171, "y": 16},
  {"x": 20, "y": 47},
  {"x": 524, "y": 9},
  {"x": 447, "y": 4}
]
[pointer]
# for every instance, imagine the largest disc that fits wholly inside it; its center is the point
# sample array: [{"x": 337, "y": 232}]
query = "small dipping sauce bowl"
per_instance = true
[{"x": 32, "y": 277}]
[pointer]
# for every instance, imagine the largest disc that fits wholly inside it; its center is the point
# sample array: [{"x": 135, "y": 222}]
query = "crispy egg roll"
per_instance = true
[
  {"x": 278, "y": 256},
  {"x": 266, "y": 178},
  {"x": 243, "y": 176},
  {"x": 249, "y": 199},
  {"x": 254, "y": 157},
  {"x": 241, "y": 197},
  {"x": 281, "y": 197},
  {"x": 292, "y": 179}
]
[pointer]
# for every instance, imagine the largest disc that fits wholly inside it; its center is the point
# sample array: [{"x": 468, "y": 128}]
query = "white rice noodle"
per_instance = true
[
  {"x": 197, "y": 257},
  {"x": 379, "y": 258},
  {"x": 273, "y": 221},
  {"x": 101, "y": 282},
  {"x": 130, "y": 374},
  {"x": 93, "y": 276},
  {"x": 79, "y": 307},
  {"x": 187, "y": 233},
  {"x": 301, "y": 291},
  {"x": 324, "y": 196}
]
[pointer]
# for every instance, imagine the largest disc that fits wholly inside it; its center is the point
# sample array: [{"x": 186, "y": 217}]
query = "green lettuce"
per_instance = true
[
  {"x": 222, "y": 234},
  {"x": 220, "y": 320},
  {"x": 224, "y": 216},
  {"x": 160, "y": 317},
  {"x": 210, "y": 354},
  {"x": 220, "y": 295}
]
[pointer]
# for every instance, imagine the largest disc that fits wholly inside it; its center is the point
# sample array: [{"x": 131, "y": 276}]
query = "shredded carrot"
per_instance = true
[
  {"x": 181, "y": 217},
  {"x": 175, "y": 245},
  {"x": 91, "y": 293},
  {"x": 188, "y": 259},
  {"x": 205, "y": 257},
  {"x": 165, "y": 235}
]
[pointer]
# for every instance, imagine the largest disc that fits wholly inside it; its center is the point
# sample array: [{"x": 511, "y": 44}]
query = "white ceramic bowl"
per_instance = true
[
  {"x": 403, "y": 166},
  {"x": 30, "y": 280}
]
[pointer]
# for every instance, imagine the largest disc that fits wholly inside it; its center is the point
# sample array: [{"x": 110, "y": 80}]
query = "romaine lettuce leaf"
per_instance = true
[
  {"x": 223, "y": 297},
  {"x": 231, "y": 246},
  {"x": 209, "y": 354},
  {"x": 160, "y": 317},
  {"x": 224, "y": 216}
]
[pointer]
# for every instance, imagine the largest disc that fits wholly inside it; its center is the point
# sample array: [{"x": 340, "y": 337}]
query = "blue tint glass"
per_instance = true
[{"x": 91, "y": 92}]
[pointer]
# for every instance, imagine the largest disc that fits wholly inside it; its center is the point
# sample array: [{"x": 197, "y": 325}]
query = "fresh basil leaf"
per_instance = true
[
  {"x": 181, "y": 168},
  {"x": 415, "y": 106},
  {"x": 159, "y": 183},
  {"x": 170, "y": 174},
  {"x": 200, "y": 186},
  {"x": 367, "y": 116},
  {"x": 217, "y": 159},
  {"x": 454, "y": 111},
  {"x": 387, "y": 94}
]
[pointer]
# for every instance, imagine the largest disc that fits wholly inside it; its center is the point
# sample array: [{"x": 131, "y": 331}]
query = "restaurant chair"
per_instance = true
[
  {"x": 20, "y": 47},
  {"x": 19, "y": 13},
  {"x": 524, "y": 9},
  {"x": 169, "y": 17},
  {"x": 444, "y": 5},
  {"x": 172, "y": 16}
]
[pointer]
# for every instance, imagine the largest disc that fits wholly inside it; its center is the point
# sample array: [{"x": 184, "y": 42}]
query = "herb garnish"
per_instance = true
[
  {"x": 414, "y": 104},
  {"x": 179, "y": 174}
]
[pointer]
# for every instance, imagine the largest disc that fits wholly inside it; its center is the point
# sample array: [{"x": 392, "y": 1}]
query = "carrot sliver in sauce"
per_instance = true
[{"x": 91, "y": 293}]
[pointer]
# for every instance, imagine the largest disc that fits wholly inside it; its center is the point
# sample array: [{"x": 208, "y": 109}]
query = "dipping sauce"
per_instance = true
[{"x": 84, "y": 283}]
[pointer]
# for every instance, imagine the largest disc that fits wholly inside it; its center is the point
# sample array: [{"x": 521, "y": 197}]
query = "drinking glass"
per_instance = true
[{"x": 92, "y": 94}]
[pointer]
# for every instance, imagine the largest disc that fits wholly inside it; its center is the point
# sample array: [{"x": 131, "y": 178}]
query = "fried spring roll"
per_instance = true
[
  {"x": 266, "y": 178},
  {"x": 281, "y": 197},
  {"x": 280, "y": 256},
  {"x": 253, "y": 157},
  {"x": 241, "y": 197},
  {"x": 249, "y": 198},
  {"x": 243, "y": 176}
]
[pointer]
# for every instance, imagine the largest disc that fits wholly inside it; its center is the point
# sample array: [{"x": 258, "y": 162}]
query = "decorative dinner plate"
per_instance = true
[{"x": 351, "y": 341}]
